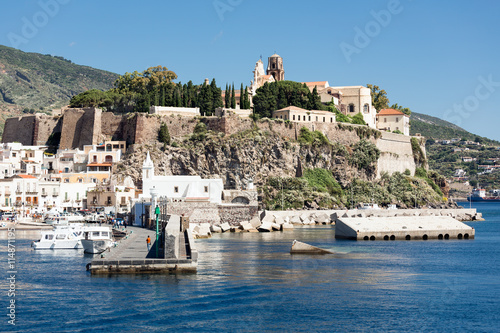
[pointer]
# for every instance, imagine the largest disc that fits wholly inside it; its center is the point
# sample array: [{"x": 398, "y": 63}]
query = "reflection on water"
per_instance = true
[{"x": 250, "y": 282}]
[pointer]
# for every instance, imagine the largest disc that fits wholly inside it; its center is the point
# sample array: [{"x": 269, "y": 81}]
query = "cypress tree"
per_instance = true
[
  {"x": 227, "y": 96},
  {"x": 233, "y": 98},
  {"x": 242, "y": 98},
  {"x": 246, "y": 100}
]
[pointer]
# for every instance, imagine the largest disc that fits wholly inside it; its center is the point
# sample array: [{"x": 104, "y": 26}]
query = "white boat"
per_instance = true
[
  {"x": 97, "y": 239},
  {"x": 61, "y": 237},
  {"x": 63, "y": 219}
]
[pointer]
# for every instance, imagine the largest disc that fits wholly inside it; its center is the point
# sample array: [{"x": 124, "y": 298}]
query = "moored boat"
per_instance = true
[
  {"x": 61, "y": 237},
  {"x": 97, "y": 239},
  {"x": 481, "y": 195}
]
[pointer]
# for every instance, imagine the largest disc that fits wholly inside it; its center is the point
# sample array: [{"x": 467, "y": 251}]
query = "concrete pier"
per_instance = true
[
  {"x": 131, "y": 256},
  {"x": 402, "y": 228}
]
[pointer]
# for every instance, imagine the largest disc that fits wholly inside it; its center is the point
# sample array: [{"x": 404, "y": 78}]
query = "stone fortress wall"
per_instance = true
[{"x": 87, "y": 126}]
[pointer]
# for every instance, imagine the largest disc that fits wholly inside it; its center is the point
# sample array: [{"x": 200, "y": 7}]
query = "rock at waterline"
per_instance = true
[{"x": 303, "y": 248}]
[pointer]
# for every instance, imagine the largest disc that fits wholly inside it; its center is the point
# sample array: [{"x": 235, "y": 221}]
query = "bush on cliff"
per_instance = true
[
  {"x": 365, "y": 154},
  {"x": 315, "y": 138},
  {"x": 163, "y": 134}
]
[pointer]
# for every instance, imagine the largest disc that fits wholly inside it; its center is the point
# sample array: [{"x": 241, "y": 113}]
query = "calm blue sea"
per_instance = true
[{"x": 250, "y": 282}]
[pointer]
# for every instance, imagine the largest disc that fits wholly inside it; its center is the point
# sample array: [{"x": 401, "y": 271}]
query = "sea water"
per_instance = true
[{"x": 250, "y": 282}]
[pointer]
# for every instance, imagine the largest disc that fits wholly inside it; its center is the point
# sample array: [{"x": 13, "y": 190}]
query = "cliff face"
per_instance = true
[{"x": 239, "y": 158}]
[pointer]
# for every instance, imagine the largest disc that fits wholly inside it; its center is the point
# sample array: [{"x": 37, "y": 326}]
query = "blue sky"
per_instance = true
[{"x": 438, "y": 58}]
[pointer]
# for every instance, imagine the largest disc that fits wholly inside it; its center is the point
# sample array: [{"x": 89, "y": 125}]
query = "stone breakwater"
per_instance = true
[{"x": 269, "y": 221}]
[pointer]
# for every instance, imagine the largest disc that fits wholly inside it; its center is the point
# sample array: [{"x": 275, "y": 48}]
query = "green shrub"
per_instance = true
[
  {"x": 322, "y": 180},
  {"x": 364, "y": 155},
  {"x": 163, "y": 134}
]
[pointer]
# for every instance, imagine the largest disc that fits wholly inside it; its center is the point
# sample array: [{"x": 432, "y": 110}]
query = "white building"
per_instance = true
[
  {"x": 175, "y": 189},
  {"x": 393, "y": 120}
]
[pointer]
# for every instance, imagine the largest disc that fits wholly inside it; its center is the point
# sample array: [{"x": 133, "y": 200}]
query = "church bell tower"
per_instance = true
[{"x": 275, "y": 67}]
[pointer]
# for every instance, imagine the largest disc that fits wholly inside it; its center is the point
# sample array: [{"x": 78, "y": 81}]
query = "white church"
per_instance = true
[{"x": 175, "y": 189}]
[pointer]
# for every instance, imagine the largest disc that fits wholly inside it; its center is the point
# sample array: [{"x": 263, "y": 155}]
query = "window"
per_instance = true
[
  {"x": 94, "y": 158},
  {"x": 351, "y": 108},
  {"x": 176, "y": 189},
  {"x": 77, "y": 196},
  {"x": 323, "y": 119},
  {"x": 298, "y": 118},
  {"x": 206, "y": 189},
  {"x": 14, "y": 155},
  {"x": 385, "y": 120},
  {"x": 293, "y": 117},
  {"x": 309, "y": 118},
  {"x": 65, "y": 195},
  {"x": 365, "y": 108},
  {"x": 123, "y": 200},
  {"x": 316, "y": 118},
  {"x": 397, "y": 119},
  {"x": 331, "y": 119},
  {"x": 108, "y": 158}
]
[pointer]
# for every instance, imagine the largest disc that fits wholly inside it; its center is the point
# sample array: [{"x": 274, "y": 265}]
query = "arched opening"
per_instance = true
[
  {"x": 351, "y": 108},
  {"x": 459, "y": 236},
  {"x": 446, "y": 236},
  {"x": 241, "y": 200},
  {"x": 466, "y": 236},
  {"x": 365, "y": 238},
  {"x": 108, "y": 158},
  {"x": 393, "y": 237},
  {"x": 440, "y": 236},
  {"x": 386, "y": 237},
  {"x": 365, "y": 108},
  {"x": 372, "y": 238},
  {"x": 408, "y": 237},
  {"x": 425, "y": 237}
]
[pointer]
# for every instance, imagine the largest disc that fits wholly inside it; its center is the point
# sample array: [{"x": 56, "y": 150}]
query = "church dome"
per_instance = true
[{"x": 275, "y": 56}]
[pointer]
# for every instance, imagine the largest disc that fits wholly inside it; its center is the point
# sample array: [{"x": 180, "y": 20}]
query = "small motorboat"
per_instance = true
[
  {"x": 97, "y": 239},
  {"x": 61, "y": 237}
]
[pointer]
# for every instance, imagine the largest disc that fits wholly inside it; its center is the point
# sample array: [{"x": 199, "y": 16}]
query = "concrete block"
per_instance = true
[
  {"x": 225, "y": 227},
  {"x": 287, "y": 219},
  {"x": 322, "y": 218},
  {"x": 304, "y": 216},
  {"x": 279, "y": 220},
  {"x": 255, "y": 222},
  {"x": 215, "y": 229},
  {"x": 266, "y": 227},
  {"x": 276, "y": 226},
  {"x": 295, "y": 219},
  {"x": 204, "y": 230},
  {"x": 287, "y": 226}
]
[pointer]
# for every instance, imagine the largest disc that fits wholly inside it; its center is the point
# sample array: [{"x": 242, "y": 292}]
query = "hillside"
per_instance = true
[
  {"x": 435, "y": 128},
  {"x": 37, "y": 82}
]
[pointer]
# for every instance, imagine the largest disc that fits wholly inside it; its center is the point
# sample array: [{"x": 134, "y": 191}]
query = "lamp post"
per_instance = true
[{"x": 142, "y": 216}]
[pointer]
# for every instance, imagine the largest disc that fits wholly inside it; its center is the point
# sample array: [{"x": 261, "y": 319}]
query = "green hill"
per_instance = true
[
  {"x": 42, "y": 82},
  {"x": 435, "y": 128}
]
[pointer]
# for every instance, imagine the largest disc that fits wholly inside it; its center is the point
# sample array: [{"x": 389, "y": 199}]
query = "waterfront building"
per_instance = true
[{"x": 393, "y": 120}]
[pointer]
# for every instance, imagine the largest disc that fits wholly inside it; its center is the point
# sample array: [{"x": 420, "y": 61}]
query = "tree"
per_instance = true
[
  {"x": 316, "y": 100},
  {"x": 163, "y": 134},
  {"x": 233, "y": 98},
  {"x": 379, "y": 97},
  {"x": 246, "y": 101},
  {"x": 216, "y": 96},
  {"x": 242, "y": 97},
  {"x": 227, "y": 96},
  {"x": 406, "y": 111}
]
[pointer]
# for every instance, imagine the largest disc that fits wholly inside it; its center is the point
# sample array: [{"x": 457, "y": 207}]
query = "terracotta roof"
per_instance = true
[
  {"x": 291, "y": 108},
  {"x": 316, "y": 83},
  {"x": 27, "y": 176},
  {"x": 390, "y": 112}
]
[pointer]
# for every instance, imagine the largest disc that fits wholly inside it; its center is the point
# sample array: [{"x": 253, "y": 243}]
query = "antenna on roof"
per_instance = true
[{"x": 261, "y": 57}]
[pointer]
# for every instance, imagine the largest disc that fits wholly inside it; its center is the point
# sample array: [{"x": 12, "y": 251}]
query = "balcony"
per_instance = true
[
  {"x": 31, "y": 192},
  {"x": 55, "y": 194},
  {"x": 19, "y": 192},
  {"x": 44, "y": 194}
]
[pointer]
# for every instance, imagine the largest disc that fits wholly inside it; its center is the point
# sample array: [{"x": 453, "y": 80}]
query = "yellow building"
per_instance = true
[{"x": 293, "y": 113}]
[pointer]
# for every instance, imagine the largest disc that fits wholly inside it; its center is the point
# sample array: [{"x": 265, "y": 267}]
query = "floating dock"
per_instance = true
[
  {"x": 402, "y": 228},
  {"x": 131, "y": 256}
]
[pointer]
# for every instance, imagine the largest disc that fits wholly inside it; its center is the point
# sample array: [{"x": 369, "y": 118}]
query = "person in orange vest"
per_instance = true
[{"x": 148, "y": 242}]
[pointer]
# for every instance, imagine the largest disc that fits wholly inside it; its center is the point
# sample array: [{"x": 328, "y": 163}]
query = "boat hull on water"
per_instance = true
[
  {"x": 97, "y": 239},
  {"x": 61, "y": 237},
  {"x": 480, "y": 195},
  {"x": 96, "y": 246}
]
